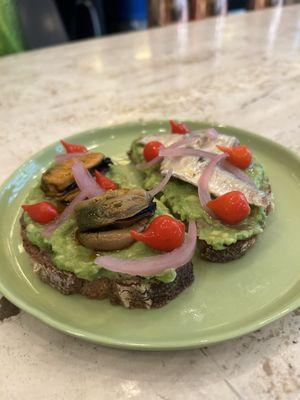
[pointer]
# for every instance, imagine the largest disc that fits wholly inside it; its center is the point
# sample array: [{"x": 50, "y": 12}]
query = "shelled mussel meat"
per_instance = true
[{"x": 58, "y": 181}]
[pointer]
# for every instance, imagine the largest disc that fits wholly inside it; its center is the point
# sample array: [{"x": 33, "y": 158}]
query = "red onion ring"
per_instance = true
[
  {"x": 203, "y": 191},
  {"x": 148, "y": 266},
  {"x": 50, "y": 228},
  {"x": 211, "y": 133},
  {"x": 60, "y": 158},
  {"x": 151, "y": 163},
  {"x": 85, "y": 181},
  {"x": 153, "y": 192},
  {"x": 159, "y": 159},
  {"x": 237, "y": 172},
  {"x": 177, "y": 152},
  {"x": 181, "y": 142}
]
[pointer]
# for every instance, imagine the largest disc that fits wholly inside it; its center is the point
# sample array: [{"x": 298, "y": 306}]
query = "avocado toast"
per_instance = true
[
  {"x": 63, "y": 251},
  {"x": 218, "y": 240},
  {"x": 99, "y": 242}
]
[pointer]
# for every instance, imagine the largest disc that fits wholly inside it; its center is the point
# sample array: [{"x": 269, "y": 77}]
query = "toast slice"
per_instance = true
[
  {"x": 228, "y": 252},
  {"x": 130, "y": 292}
]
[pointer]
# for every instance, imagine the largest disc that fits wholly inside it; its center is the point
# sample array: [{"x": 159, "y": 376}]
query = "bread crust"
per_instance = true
[{"x": 231, "y": 252}]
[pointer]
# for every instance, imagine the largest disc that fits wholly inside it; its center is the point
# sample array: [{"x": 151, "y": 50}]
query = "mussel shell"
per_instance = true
[
  {"x": 116, "y": 239},
  {"x": 104, "y": 165},
  {"x": 111, "y": 207},
  {"x": 147, "y": 212}
]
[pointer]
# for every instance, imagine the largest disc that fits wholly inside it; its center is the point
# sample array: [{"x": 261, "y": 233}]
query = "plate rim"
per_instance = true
[{"x": 161, "y": 345}]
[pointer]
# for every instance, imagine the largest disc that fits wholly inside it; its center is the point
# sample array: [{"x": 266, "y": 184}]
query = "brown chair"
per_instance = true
[
  {"x": 257, "y": 4},
  {"x": 163, "y": 12}
]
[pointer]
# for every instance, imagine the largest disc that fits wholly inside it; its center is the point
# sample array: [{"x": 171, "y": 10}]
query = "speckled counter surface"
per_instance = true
[{"x": 242, "y": 70}]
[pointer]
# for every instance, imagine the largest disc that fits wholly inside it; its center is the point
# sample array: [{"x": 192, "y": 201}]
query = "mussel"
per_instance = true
[
  {"x": 113, "y": 239},
  {"x": 104, "y": 222},
  {"x": 58, "y": 181}
]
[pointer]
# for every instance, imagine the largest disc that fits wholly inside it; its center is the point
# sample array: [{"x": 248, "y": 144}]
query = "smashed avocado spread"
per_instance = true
[
  {"x": 182, "y": 198},
  {"x": 68, "y": 255}
]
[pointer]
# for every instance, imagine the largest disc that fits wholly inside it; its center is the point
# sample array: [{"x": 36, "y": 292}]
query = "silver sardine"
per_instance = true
[{"x": 190, "y": 168}]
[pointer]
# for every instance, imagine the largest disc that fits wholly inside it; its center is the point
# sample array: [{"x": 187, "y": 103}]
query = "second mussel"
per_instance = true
[
  {"x": 58, "y": 181},
  {"x": 104, "y": 222}
]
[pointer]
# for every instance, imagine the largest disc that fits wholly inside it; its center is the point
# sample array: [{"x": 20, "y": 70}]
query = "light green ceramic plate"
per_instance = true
[{"x": 225, "y": 301}]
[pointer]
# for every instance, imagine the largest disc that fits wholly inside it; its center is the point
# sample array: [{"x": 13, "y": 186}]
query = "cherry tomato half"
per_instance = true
[
  {"x": 151, "y": 149},
  {"x": 240, "y": 156},
  {"x": 231, "y": 207},
  {"x": 164, "y": 233},
  {"x": 104, "y": 181},
  {"x": 73, "y": 148},
  {"x": 177, "y": 127},
  {"x": 42, "y": 212}
]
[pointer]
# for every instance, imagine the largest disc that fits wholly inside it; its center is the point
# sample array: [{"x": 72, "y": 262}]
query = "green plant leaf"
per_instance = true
[{"x": 10, "y": 32}]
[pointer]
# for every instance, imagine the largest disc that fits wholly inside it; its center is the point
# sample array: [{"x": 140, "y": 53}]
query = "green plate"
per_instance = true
[{"x": 225, "y": 301}]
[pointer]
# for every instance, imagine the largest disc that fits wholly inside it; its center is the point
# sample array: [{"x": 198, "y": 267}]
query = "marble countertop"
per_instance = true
[{"x": 242, "y": 70}]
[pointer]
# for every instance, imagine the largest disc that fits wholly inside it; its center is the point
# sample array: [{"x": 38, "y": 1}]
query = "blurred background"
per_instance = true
[{"x": 31, "y": 24}]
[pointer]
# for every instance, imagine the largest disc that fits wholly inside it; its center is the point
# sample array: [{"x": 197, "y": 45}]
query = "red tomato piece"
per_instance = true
[
  {"x": 178, "y": 127},
  {"x": 104, "y": 181},
  {"x": 240, "y": 156},
  {"x": 151, "y": 149},
  {"x": 231, "y": 207},
  {"x": 42, "y": 212},
  {"x": 73, "y": 148},
  {"x": 164, "y": 233}
]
